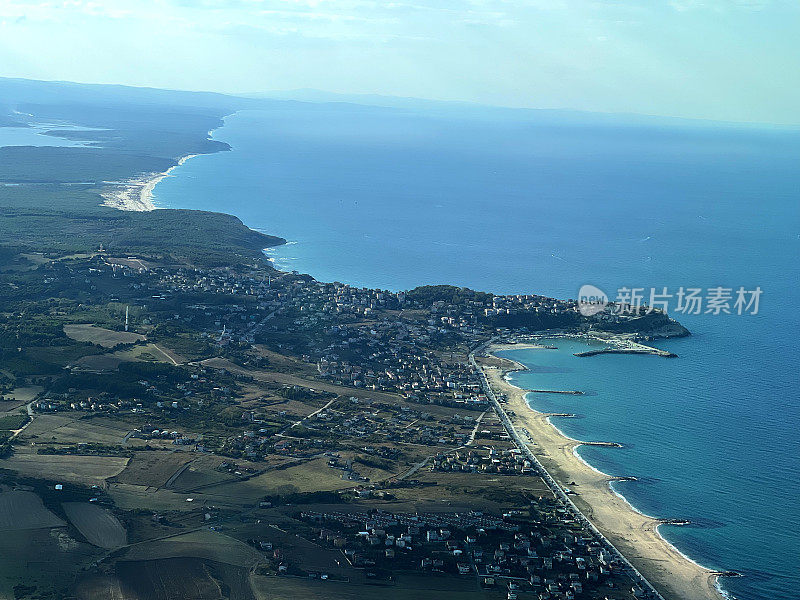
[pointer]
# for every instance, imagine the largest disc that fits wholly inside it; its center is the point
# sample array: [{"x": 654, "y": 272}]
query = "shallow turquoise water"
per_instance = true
[{"x": 514, "y": 203}]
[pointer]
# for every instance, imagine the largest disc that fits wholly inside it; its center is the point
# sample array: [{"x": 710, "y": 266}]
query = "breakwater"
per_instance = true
[{"x": 636, "y": 350}]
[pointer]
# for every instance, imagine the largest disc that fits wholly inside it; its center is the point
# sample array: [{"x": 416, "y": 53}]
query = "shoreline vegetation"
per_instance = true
[{"x": 635, "y": 534}]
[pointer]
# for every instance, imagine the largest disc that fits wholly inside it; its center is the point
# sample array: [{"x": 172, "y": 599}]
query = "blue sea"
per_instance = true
[{"x": 544, "y": 202}]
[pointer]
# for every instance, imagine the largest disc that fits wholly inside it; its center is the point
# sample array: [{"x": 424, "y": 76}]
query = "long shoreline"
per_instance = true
[
  {"x": 634, "y": 533},
  {"x": 136, "y": 194}
]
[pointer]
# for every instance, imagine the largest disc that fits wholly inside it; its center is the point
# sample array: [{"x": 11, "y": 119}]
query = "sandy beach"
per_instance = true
[
  {"x": 137, "y": 194},
  {"x": 634, "y": 534}
]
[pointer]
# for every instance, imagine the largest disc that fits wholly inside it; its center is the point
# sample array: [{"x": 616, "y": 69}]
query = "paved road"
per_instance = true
[{"x": 557, "y": 490}]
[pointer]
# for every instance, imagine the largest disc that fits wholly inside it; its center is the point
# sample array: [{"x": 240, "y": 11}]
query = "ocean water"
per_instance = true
[{"x": 543, "y": 202}]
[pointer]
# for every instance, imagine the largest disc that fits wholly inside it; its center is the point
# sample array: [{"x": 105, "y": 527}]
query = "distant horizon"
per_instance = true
[
  {"x": 315, "y": 95},
  {"x": 717, "y": 60}
]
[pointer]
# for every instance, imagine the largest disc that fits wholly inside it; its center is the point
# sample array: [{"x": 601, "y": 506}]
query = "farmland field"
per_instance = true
[
  {"x": 308, "y": 477},
  {"x": 44, "y": 425},
  {"x": 149, "y": 353},
  {"x": 10, "y": 406},
  {"x": 107, "y": 338},
  {"x": 103, "y": 431},
  {"x": 24, "y": 510},
  {"x": 20, "y": 395},
  {"x": 89, "y": 470},
  {"x": 45, "y": 558},
  {"x": 153, "y": 468},
  {"x": 133, "y": 497},
  {"x": 202, "y": 472},
  {"x": 203, "y": 543},
  {"x": 172, "y": 578},
  {"x": 12, "y": 422},
  {"x": 52, "y": 358},
  {"x": 472, "y": 490},
  {"x": 176, "y": 578},
  {"x": 98, "y": 362},
  {"x": 96, "y": 524},
  {"x": 445, "y": 588}
]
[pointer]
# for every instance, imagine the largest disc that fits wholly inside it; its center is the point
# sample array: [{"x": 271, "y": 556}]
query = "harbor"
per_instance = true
[{"x": 611, "y": 344}]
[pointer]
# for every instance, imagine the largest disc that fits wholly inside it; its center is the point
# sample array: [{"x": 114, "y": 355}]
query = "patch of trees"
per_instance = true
[
  {"x": 450, "y": 294},
  {"x": 535, "y": 321}
]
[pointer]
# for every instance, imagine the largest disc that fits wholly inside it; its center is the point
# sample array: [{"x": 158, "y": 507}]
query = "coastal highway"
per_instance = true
[{"x": 557, "y": 490}]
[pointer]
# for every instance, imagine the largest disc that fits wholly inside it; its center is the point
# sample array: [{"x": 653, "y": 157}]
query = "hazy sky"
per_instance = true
[{"x": 719, "y": 59}]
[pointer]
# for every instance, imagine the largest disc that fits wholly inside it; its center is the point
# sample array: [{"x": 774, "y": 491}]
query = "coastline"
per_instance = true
[
  {"x": 634, "y": 533},
  {"x": 136, "y": 194},
  {"x": 709, "y": 509}
]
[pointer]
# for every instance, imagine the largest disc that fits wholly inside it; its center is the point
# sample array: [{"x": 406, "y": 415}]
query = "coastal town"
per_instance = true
[
  {"x": 243, "y": 396},
  {"x": 180, "y": 419},
  {"x": 357, "y": 300}
]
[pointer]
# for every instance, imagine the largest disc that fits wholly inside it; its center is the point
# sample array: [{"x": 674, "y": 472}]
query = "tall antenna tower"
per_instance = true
[{"x": 126, "y": 318}]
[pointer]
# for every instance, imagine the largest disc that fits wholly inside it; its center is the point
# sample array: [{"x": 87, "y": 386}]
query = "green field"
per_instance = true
[
  {"x": 11, "y": 422},
  {"x": 203, "y": 544},
  {"x": 307, "y": 477}
]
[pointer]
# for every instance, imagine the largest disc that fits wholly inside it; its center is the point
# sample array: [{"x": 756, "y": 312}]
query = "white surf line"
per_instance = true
[{"x": 551, "y": 483}]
